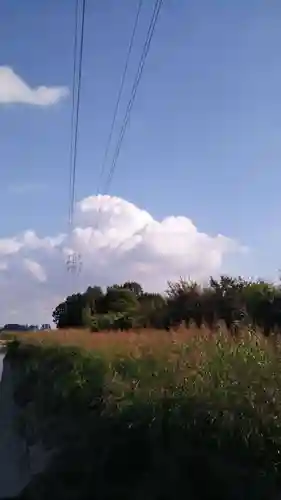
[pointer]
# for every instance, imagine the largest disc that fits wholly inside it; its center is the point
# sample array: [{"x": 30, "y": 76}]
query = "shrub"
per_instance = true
[{"x": 197, "y": 419}]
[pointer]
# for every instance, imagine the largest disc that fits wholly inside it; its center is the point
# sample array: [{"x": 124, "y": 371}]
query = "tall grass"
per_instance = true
[{"x": 153, "y": 415}]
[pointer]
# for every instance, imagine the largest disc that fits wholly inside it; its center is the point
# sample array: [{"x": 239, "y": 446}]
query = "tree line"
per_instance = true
[{"x": 235, "y": 301}]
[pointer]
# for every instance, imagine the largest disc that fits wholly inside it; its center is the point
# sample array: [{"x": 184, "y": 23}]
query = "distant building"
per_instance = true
[{"x": 15, "y": 327}]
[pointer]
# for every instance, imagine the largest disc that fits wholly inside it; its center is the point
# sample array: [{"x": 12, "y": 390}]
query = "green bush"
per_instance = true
[{"x": 155, "y": 427}]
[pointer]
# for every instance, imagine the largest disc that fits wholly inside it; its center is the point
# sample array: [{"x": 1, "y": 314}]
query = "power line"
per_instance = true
[
  {"x": 76, "y": 102},
  {"x": 119, "y": 95},
  {"x": 74, "y": 76},
  {"x": 145, "y": 51},
  {"x": 76, "y": 105},
  {"x": 74, "y": 260},
  {"x": 124, "y": 74}
]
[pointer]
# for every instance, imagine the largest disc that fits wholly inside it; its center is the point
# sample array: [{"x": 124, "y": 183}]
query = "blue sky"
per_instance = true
[{"x": 204, "y": 136}]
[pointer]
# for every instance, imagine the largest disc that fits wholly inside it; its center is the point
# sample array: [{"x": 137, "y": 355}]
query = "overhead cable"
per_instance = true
[
  {"x": 73, "y": 104},
  {"x": 77, "y": 73},
  {"x": 74, "y": 260},
  {"x": 119, "y": 95},
  {"x": 145, "y": 51}
]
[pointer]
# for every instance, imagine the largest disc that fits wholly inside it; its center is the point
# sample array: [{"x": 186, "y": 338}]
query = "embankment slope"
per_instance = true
[
  {"x": 14, "y": 470},
  {"x": 198, "y": 420}
]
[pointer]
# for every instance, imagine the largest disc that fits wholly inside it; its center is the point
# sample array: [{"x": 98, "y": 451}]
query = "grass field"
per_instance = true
[
  {"x": 152, "y": 414},
  {"x": 134, "y": 341}
]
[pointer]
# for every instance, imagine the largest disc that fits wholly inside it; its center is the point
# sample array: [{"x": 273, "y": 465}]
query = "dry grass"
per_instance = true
[
  {"x": 112, "y": 340},
  {"x": 217, "y": 400},
  {"x": 179, "y": 351},
  {"x": 128, "y": 341}
]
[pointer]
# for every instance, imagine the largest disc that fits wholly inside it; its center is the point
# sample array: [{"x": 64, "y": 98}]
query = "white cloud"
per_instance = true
[
  {"x": 117, "y": 241},
  {"x": 35, "y": 269},
  {"x": 9, "y": 246},
  {"x": 13, "y": 89}
]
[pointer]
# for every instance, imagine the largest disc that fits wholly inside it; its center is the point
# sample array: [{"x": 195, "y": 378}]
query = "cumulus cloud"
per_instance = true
[
  {"x": 35, "y": 269},
  {"x": 116, "y": 241},
  {"x": 13, "y": 89},
  {"x": 9, "y": 246}
]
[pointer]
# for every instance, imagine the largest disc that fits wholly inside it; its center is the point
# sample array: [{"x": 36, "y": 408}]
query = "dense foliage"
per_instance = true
[
  {"x": 235, "y": 301},
  {"x": 182, "y": 417}
]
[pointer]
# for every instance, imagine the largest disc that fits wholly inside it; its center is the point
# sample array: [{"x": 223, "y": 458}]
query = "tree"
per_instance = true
[
  {"x": 152, "y": 310},
  {"x": 184, "y": 302},
  {"x": 93, "y": 297},
  {"x": 87, "y": 317},
  {"x": 70, "y": 313},
  {"x": 135, "y": 287},
  {"x": 235, "y": 301},
  {"x": 120, "y": 300},
  {"x": 263, "y": 302},
  {"x": 60, "y": 316},
  {"x": 229, "y": 302}
]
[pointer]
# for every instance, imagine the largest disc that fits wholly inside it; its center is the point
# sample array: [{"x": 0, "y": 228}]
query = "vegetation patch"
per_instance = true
[
  {"x": 192, "y": 416},
  {"x": 236, "y": 302}
]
